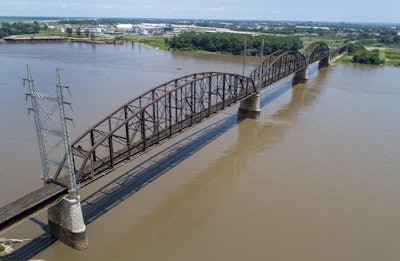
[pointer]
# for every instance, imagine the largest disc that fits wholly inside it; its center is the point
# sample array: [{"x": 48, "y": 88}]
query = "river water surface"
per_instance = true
[{"x": 316, "y": 178}]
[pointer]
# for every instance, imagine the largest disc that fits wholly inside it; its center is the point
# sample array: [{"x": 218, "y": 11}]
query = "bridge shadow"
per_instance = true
[
  {"x": 141, "y": 175},
  {"x": 130, "y": 182}
]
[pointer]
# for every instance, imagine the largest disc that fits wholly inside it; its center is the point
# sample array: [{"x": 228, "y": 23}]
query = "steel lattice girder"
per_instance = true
[
  {"x": 180, "y": 107},
  {"x": 316, "y": 51},
  {"x": 173, "y": 106},
  {"x": 285, "y": 64}
]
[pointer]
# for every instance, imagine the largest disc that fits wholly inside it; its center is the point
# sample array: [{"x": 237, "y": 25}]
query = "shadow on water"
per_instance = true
[{"x": 127, "y": 184}]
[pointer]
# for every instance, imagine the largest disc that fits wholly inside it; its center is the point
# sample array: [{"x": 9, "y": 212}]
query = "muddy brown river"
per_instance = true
[{"x": 316, "y": 178}]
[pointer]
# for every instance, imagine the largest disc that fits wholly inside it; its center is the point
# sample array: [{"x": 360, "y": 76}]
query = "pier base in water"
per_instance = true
[
  {"x": 66, "y": 223},
  {"x": 324, "y": 62},
  {"x": 250, "y": 108},
  {"x": 301, "y": 76}
]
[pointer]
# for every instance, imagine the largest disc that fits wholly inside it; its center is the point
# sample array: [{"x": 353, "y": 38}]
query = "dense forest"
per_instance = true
[
  {"x": 233, "y": 43},
  {"x": 7, "y": 29}
]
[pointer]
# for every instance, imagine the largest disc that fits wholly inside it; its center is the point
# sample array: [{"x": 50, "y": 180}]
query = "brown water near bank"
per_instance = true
[{"x": 315, "y": 179}]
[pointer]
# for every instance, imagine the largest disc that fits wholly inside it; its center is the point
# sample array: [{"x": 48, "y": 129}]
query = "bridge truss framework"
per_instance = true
[{"x": 170, "y": 108}]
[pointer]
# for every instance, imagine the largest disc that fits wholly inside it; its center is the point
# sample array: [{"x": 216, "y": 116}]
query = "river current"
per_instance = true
[{"x": 316, "y": 178}]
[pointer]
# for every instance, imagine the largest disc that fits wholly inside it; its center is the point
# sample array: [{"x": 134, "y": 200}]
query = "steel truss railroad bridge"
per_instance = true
[
  {"x": 174, "y": 106},
  {"x": 149, "y": 119}
]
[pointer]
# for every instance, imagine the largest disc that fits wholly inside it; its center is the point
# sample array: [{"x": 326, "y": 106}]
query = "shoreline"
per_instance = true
[{"x": 25, "y": 39}]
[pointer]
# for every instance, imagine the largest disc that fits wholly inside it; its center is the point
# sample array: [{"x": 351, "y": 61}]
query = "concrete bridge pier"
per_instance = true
[
  {"x": 250, "y": 108},
  {"x": 301, "y": 76},
  {"x": 324, "y": 62},
  {"x": 66, "y": 221}
]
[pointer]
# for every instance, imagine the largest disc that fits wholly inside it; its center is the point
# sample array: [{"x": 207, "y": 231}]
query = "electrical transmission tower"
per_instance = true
[{"x": 51, "y": 129}]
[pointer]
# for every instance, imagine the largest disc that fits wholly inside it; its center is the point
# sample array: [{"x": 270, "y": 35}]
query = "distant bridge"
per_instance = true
[{"x": 153, "y": 117}]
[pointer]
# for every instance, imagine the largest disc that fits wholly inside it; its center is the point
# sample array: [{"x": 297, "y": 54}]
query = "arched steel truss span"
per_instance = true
[
  {"x": 285, "y": 64},
  {"x": 277, "y": 66},
  {"x": 153, "y": 117},
  {"x": 169, "y": 108},
  {"x": 316, "y": 51}
]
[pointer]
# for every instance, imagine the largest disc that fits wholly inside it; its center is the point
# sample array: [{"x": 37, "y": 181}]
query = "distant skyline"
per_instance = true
[{"x": 384, "y": 11}]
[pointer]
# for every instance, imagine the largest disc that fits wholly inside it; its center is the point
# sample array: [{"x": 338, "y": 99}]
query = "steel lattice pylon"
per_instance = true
[{"x": 51, "y": 129}]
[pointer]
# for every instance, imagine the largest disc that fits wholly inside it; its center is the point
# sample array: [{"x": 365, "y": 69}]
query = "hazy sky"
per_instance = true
[{"x": 308, "y": 10}]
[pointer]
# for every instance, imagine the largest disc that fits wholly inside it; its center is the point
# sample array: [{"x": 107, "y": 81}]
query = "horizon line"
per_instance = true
[{"x": 209, "y": 19}]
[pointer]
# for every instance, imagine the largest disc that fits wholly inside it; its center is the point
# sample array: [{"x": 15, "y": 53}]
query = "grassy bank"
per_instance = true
[
  {"x": 388, "y": 55},
  {"x": 153, "y": 41},
  {"x": 332, "y": 41}
]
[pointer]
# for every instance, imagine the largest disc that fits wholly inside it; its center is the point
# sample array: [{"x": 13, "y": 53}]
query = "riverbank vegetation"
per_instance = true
[
  {"x": 158, "y": 42},
  {"x": 220, "y": 37},
  {"x": 390, "y": 56},
  {"x": 358, "y": 53},
  {"x": 229, "y": 43},
  {"x": 8, "y": 29},
  {"x": 361, "y": 55}
]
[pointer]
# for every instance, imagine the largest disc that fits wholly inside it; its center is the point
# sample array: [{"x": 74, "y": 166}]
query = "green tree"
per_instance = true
[
  {"x": 233, "y": 43},
  {"x": 36, "y": 27},
  {"x": 69, "y": 31},
  {"x": 396, "y": 39},
  {"x": 356, "y": 47},
  {"x": 367, "y": 57},
  {"x": 87, "y": 32},
  {"x": 7, "y": 29},
  {"x": 78, "y": 31}
]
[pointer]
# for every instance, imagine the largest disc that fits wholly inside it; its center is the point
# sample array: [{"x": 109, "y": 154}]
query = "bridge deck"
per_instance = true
[{"x": 30, "y": 204}]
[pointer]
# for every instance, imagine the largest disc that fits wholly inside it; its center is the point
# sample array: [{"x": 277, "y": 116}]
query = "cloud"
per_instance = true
[
  {"x": 218, "y": 9},
  {"x": 214, "y": 9}
]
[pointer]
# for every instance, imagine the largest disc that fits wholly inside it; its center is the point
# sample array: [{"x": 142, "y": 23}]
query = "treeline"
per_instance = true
[
  {"x": 115, "y": 21},
  {"x": 363, "y": 56},
  {"x": 7, "y": 29},
  {"x": 389, "y": 37},
  {"x": 78, "y": 21},
  {"x": 233, "y": 43}
]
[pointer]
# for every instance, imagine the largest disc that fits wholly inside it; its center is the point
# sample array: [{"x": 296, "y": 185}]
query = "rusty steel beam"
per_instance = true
[
  {"x": 186, "y": 102},
  {"x": 316, "y": 51},
  {"x": 169, "y": 108}
]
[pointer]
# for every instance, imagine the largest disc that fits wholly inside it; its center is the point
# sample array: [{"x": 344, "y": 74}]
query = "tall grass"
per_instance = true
[{"x": 392, "y": 56}]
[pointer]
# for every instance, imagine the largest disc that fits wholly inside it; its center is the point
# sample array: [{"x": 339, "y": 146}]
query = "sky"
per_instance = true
[{"x": 383, "y": 11}]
